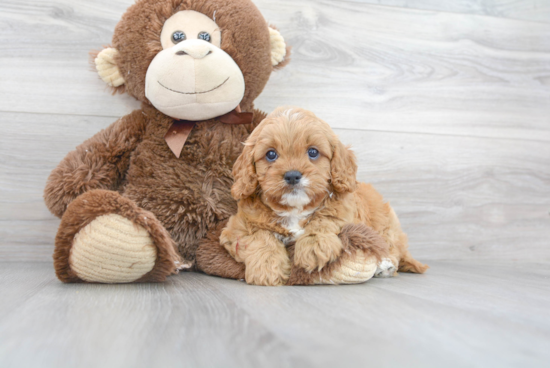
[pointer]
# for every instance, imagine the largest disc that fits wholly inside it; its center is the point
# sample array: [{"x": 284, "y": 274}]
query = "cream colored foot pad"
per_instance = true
[
  {"x": 112, "y": 249},
  {"x": 352, "y": 271}
]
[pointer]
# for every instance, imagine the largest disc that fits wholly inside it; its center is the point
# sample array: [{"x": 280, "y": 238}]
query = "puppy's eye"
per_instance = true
[
  {"x": 271, "y": 156},
  {"x": 178, "y": 36},
  {"x": 313, "y": 153},
  {"x": 204, "y": 36}
]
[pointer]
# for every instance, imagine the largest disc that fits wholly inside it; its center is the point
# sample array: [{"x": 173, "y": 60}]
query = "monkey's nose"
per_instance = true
[
  {"x": 293, "y": 177},
  {"x": 197, "y": 49}
]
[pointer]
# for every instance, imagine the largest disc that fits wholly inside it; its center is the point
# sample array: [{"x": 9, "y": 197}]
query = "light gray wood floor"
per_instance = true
[
  {"x": 447, "y": 105},
  {"x": 457, "y": 315}
]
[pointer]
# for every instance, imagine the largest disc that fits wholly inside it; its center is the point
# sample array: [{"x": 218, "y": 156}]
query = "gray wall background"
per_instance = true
[{"x": 446, "y": 103}]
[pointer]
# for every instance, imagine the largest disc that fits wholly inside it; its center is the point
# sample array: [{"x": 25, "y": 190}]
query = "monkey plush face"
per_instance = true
[
  {"x": 194, "y": 59},
  {"x": 192, "y": 78}
]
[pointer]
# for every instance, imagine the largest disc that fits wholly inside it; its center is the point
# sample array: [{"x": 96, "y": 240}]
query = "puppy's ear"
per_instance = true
[
  {"x": 343, "y": 168},
  {"x": 244, "y": 171}
]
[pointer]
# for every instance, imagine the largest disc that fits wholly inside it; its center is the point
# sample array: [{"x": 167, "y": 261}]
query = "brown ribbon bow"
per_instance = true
[{"x": 180, "y": 129}]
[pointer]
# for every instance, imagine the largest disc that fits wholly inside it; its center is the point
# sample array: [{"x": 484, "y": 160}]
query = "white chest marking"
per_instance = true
[{"x": 290, "y": 220}]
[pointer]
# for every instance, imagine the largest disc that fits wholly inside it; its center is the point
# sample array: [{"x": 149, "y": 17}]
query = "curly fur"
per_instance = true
[{"x": 313, "y": 212}]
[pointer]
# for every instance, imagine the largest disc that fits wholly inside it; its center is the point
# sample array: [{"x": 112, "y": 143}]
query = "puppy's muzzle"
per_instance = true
[{"x": 293, "y": 177}]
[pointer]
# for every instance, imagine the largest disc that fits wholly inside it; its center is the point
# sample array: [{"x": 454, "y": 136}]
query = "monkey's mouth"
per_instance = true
[{"x": 193, "y": 93}]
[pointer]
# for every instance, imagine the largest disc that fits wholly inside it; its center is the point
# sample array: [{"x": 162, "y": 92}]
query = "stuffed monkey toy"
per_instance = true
[{"x": 137, "y": 198}]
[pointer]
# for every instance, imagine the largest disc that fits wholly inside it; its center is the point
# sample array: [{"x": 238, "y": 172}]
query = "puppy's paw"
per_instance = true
[
  {"x": 385, "y": 268},
  {"x": 313, "y": 252},
  {"x": 269, "y": 270}
]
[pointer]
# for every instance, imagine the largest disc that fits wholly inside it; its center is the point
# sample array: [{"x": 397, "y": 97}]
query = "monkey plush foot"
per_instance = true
[
  {"x": 106, "y": 238},
  {"x": 364, "y": 248},
  {"x": 110, "y": 249}
]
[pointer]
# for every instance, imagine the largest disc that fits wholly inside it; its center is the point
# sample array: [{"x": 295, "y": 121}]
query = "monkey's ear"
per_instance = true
[
  {"x": 280, "y": 52},
  {"x": 107, "y": 69}
]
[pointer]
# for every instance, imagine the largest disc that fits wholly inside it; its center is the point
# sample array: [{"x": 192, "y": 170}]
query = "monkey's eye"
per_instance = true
[
  {"x": 271, "y": 156},
  {"x": 204, "y": 36},
  {"x": 313, "y": 153},
  {"x": 178, "y": 36}
]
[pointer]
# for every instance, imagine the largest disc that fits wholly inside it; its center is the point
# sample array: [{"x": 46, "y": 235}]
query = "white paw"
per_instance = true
[{"x": 385, "y": 268}]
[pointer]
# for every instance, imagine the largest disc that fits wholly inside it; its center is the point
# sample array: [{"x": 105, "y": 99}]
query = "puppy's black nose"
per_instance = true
[{"x": 293, "y": 177}]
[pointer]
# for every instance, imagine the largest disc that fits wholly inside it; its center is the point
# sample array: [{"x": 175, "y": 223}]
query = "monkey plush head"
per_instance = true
[{"x": 192, "y": 59}]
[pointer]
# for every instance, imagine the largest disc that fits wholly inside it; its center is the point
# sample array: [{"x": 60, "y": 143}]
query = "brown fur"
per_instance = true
[
  {"x": 188, "y": 195},
  {"x": 333, "y": 195},
  {"x": 245, "y": 37}
]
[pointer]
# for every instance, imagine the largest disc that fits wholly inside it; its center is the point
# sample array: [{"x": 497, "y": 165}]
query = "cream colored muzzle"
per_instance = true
[{"x": 194, "y": 80}]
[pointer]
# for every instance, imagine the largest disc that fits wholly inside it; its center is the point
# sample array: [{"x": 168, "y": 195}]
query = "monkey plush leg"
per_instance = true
[
  {"x": 213, "y": 259},
  {"x": 104, "y": 237},
  {"x": 363, "y": 249}
]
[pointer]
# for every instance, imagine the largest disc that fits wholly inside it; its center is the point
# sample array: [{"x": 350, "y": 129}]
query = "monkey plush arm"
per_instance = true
[{"x": 100, "y": 162}]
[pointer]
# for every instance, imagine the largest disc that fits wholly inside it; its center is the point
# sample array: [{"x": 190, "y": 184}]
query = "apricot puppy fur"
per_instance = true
[{"x": 296, "y": 183}]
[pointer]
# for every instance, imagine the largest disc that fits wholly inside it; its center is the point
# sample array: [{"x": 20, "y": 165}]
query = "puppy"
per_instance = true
[{"x": 296, "y": 183}]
